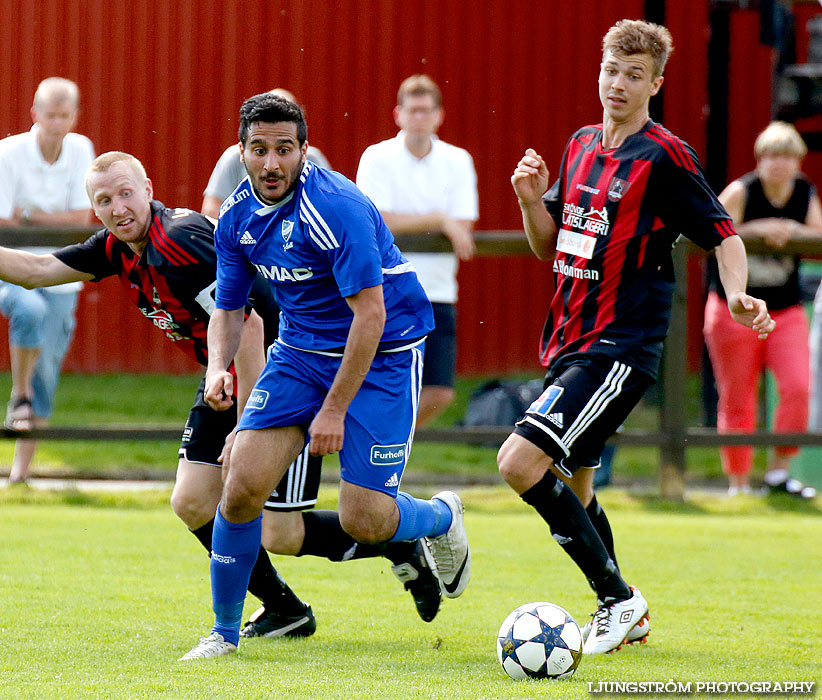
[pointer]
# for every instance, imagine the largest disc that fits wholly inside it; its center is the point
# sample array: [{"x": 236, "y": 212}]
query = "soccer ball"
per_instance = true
[{"x": 539, "y": 640}]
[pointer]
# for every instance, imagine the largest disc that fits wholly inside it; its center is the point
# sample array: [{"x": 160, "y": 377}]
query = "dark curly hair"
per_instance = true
[{"x": 266, "y": 107}]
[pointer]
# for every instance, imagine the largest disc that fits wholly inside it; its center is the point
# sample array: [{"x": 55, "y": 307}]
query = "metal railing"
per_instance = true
[{"x": 674, "y": 436}]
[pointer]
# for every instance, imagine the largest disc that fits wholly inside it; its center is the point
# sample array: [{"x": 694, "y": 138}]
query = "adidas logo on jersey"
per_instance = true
[
  {"x": 393, "y": 481},
  {"x": 247, "y": 239},
  {"x": 555, "y": 418}
]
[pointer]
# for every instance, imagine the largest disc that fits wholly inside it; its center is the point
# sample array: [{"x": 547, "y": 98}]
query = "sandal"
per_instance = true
[{"x": 19, "y": 414}]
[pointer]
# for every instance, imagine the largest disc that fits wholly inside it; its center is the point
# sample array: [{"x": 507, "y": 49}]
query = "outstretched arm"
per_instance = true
[
  {"x": 733, "y": 272},
  {"x": 30, "y": 270},
  {"x": 530, "y": 181}
]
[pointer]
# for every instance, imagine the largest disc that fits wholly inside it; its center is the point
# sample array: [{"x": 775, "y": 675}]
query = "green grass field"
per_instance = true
[{"x": 99, "y": 601}]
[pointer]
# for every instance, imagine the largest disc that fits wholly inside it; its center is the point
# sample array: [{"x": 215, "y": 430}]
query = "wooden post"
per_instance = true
[{"x": 674, "y": 372}]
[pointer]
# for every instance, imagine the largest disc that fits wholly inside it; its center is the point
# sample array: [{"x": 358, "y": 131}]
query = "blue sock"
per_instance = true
[
  {"x": 420, "y": 518},
  {"x": 234, "y": 549}
]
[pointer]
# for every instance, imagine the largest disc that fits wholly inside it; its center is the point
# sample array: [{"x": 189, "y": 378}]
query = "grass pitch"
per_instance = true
[{"x": 99, "y": 601}]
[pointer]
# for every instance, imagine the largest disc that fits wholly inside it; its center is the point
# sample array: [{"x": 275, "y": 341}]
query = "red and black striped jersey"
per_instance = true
[
  {"x": 171, "y": 281},
  {"x": 618, "y": 213}
]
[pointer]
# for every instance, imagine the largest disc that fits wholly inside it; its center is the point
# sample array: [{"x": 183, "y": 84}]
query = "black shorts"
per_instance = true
[
  {"x": 440, "y": 365},
  {"x": 203, "y": 440},
  {"x": 586, "y": 398}
]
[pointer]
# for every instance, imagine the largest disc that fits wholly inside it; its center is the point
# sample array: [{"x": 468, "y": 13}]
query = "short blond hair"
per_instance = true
[
  {"x": 632, "y": 36},
  {"x": 419, "y": 84},
  {"x": 53, "y": 90},
  {"x": 104, "y": 161},
  {"x": 780, "y": 138}
]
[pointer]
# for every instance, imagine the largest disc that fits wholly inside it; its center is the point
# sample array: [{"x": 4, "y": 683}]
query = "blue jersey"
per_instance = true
[{"x": 324, "y": 242}]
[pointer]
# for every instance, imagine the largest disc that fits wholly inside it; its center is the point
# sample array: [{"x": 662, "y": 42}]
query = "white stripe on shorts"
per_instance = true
[
  {"x": 296, "y": 477},
  {"x": 294, "y": 496},
  {"x": 416, "y": 385},
  {"x": 598, "y": 402}
]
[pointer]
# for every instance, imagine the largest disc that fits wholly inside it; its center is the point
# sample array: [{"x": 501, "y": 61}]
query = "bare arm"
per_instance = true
[
  {"x": 458, "y": 231},
  {"x": 327, "y": 428},
  {"x": 812, "y": 228},
  {"x": 530, "y": 181},
  {"x": 250, "y": 358},
  {"x": 225, "y": 330},
  {"x": 211, "y": 206},
  {"x": 30, "y": 270},
  {"x": 733, "y": 272},
  {"x": 248, "y": 362}
]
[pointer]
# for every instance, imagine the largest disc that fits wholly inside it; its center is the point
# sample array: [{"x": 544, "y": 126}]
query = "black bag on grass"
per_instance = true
[{"x": 501, "y": 402}]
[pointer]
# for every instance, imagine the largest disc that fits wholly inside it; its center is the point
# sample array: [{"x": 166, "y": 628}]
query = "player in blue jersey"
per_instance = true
[
  {"x": 166, "y": 262},
  {"x": 345, "y": 370},
  {"x": 627, "y": 188}
]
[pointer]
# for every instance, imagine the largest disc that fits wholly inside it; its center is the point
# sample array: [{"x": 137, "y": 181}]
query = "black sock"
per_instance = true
[
  {"x": 325, "y": 537},
  {"x": 265, "y": 583},
  {"x": 203, "y": 534},
  {"x": 271, "y": 588},
  {"x": 603, "y": 527},
  {"x": 571, "y": 527}
]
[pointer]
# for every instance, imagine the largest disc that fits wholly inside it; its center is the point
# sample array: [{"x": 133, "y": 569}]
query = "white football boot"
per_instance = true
[
  {"x": 612, "y": 623},
  {"x": 451, "y": 552},
  {"x": 638, "y": 634},
  {"x": 210, "y": 647}
]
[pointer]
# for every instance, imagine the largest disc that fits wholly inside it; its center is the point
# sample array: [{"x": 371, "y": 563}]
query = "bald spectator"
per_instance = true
[{"x": 41, "y": 184}]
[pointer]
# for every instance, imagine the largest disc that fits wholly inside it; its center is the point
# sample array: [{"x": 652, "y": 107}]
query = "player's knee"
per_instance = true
[
  {"x": 242, "y": 499},
  {"x": 193, "y": 510},
  {"x": 508, "y": 463},
  {"x": 365, "y": 528}
]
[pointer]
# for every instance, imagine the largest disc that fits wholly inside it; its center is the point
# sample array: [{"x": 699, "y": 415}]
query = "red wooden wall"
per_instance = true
[{"x": 164, "y": 81}]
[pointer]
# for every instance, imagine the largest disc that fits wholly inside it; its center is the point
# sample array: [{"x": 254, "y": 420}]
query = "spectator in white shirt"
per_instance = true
[
  {"x": 421, "y": 184},
  {"x": 42, "y": 175}
]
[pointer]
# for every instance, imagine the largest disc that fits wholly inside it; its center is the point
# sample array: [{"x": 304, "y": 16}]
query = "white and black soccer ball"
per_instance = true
[{"x": 539, "y": 640}]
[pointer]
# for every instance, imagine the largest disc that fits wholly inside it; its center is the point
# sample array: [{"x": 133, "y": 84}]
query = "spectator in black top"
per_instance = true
[
  {"x": 774, "y": 203},
  {"x": 626, "y": 189}
]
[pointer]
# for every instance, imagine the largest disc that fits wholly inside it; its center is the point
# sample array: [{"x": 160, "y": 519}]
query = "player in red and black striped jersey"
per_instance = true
[
  {"x": 618, "y": 212},
  {"x": 627, "y": 188},
  {"x": 166, "y": 262},
  {"x": 164, "y": 278}
]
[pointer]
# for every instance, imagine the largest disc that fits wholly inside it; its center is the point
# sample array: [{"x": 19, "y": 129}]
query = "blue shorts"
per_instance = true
[
  {"x": 379, "y": 425},
  {"x": 203, "y": 440}
]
